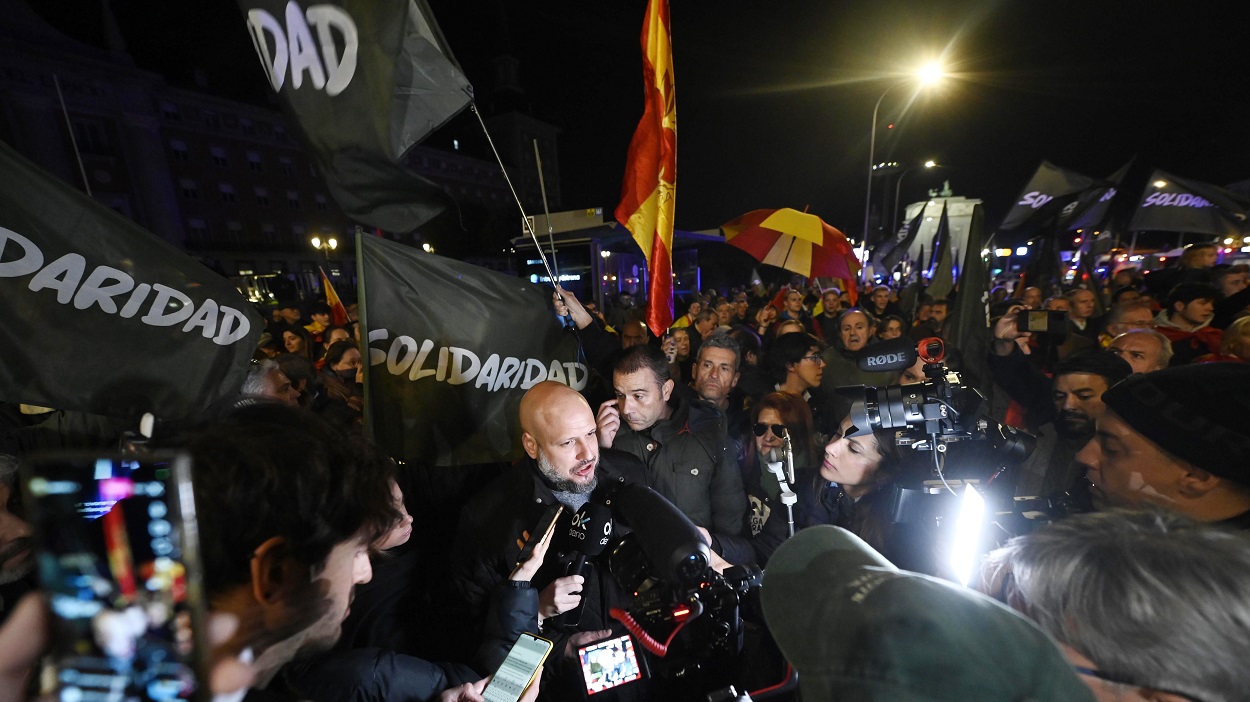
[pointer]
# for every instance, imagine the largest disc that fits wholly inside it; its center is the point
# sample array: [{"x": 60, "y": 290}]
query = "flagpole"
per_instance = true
[
  {"x": 524, "y": 217},
  {"x": 362, "y": 332},
  {"x": 73, "y": 141},
  {"x": 542, "y": 186}
]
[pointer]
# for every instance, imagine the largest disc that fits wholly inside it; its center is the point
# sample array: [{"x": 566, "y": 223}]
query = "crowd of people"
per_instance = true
[{"x": 1138, "y": 398}]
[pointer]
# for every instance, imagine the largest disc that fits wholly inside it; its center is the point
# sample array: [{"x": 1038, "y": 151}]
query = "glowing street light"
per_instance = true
[
  {"x": 326, "y": 246},
  {"x": 928, "y": 75},
  {"x": 898, "y": 184}
]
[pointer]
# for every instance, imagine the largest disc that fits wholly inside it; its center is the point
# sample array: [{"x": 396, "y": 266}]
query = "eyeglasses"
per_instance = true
[
  {"x": 759, "y": 429},
  {"x": 814, "y": 358},
  {"x": 1121, "y": 681}
]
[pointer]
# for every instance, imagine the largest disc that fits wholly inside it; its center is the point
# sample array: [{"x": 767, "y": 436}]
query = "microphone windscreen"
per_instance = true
[
  {"x": 667, "y": 536},
  {"x": 588, "y": 531},
  {"x": 890, "y": 355}
]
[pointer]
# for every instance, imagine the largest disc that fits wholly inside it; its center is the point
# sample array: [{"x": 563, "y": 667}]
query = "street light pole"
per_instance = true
[
  {"x": 928, "y": 74},
  {"x": 898, "y": 184}
]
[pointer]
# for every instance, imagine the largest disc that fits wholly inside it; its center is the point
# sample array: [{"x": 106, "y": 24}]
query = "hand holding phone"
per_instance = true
[
  {"x": 518, "y": 670},
  {"x": 534, "y": 548},
  {"x": 1049, "y": 322}
]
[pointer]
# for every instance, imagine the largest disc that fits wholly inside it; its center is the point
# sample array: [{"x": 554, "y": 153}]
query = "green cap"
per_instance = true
[{"x": 856, "y": 628}]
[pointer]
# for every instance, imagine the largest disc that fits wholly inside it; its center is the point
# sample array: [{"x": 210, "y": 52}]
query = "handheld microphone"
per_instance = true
[
  {"x": 891, "y": 355},
  {"x": 588, "y": 534}
]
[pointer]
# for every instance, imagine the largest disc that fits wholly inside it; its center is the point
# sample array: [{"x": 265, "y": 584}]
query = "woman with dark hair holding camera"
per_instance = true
[{"x": 852, "y": 488}]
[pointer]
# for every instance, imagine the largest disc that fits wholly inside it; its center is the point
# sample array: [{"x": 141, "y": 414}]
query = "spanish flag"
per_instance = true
[
  {"x": 338, "y": 313},
  {"x": 649, "y": 189}
]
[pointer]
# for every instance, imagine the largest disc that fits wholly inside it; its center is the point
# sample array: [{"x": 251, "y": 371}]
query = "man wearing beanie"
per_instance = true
[
  {"x": 1186, "y": 322},
  {"x": 1176, "y": 439}
]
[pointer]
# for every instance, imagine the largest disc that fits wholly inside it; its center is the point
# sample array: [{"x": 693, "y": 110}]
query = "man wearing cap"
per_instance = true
[
  {"x": 856, "y": 628},
  {"x": 1186, "y": 320},
  {"x": 1176, "y": 439}
]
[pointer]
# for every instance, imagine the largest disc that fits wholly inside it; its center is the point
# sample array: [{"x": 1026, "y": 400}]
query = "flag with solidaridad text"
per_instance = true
[
  {"x": 363, "y": 81},
  {"x": 452, "y": 347},
  {"x": 104, "y": 317},
  {"x": 1173, "y": 204}
]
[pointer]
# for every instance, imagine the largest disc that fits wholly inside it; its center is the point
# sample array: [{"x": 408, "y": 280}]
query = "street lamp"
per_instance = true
[
  {"x": 927, "y": 75},
  {"x": 326, "y": 246},
  {"x": 897, "y": 185}
]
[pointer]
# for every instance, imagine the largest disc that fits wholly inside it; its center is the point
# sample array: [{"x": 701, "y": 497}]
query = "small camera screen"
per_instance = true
[{"x": 608, "y": 664}]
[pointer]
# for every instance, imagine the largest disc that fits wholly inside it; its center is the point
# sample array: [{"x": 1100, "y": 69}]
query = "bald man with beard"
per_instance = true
[{"x": 563, "y": 464}]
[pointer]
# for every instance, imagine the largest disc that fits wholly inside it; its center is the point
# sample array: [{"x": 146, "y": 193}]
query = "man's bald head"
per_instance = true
[
  {"x": 558, "y": 430},
  {"x": 633, "y": 333}
]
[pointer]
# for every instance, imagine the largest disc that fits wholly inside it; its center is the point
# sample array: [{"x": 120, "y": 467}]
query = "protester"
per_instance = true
[
  {"x": 265, "y": 380},
  {"x": 684, "y": 445},
  {"x": 855, "y": 627},
  {"x": 1186, "y": 321},
  {"x": 1123, "y": 317},
  {"x": 1145, "y": 350},
  {"x": 1144, "y": 605},
  {"x": 1175, "y": 439},
  {"x": 297, "y": 341},
  {"x": 776, "y": 416}
]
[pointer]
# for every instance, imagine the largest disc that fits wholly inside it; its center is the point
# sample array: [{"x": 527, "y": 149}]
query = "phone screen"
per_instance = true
[
  {"x": 118, "y": 559},
  {"x": 517, "y": 670},
  {"x": 608, "y": 664}
]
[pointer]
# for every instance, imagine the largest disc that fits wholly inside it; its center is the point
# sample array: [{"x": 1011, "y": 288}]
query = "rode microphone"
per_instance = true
[
  {"x": 587, "y": 534},
  {"x": 890, "y": 355},
  {"x": 668, "y": 538}
]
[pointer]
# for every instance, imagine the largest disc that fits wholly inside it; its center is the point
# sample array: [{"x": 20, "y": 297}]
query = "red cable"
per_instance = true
[
  {"x": 785, "y": 682},
  {"x": 634, "y": 628}
]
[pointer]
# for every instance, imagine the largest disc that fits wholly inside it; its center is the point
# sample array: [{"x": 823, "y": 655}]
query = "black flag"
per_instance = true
[
  {"x": 364, "y": 80},
  {"x": 968, "y": 328},
  {"x": 891, "y": 252},
  {"x": 941, "y": 277},
  {"x": 1174, "y": 204},
  {"x": 104, "y": 317},
  {"x": 1047, "y": 194},
  {"x": 452, "y": 348}
]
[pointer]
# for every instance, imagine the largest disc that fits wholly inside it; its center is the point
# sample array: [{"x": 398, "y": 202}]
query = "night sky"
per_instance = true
[{"x": 774, "y": 100}]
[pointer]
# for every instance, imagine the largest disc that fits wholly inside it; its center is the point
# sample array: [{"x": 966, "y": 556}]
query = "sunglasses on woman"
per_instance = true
[{"x": 779, "y": 430}]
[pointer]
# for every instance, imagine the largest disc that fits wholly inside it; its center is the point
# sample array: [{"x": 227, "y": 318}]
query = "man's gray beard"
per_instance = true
[
  {"x": 18, "y": 572},
  {"x": 562, "y": 484}
]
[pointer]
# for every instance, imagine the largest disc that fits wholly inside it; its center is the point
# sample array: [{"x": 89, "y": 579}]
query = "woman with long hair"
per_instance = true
[
  {"x": 775, "y": 416},
  {"x": 853, "y": 488}
]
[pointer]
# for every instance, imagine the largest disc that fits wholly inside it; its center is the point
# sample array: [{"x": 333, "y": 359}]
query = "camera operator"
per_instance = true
[
  {"x": 1146, "y": 605},
  {"x": 1061, "y": 410},
  {"x": 1176, "y": 439}
]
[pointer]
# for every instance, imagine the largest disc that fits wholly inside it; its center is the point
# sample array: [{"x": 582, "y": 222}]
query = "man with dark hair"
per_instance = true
[
  {"x": 1145, "y": 605},
  {"x": 1061, "y": 410},
  {"x": 684, "y": 445},
  {"x": 1176, "y": 439},
  {"x": 1186, "y": 321}
]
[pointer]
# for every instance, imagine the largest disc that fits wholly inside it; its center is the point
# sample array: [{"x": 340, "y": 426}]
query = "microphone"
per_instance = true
[
  {"x": 891, "y": 355},
  {"x": 667, "y": 537},
  {"x": 587, "y": 535}
]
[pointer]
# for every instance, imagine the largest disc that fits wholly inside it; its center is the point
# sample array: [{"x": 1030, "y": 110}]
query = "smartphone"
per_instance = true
[
  {"x": 117, "y": 548},
  {"x": 609, "y": 663},
  {"x": 669, "y": 345},
  {"x": 517, "y": 670},
  {"x": 544, "y": 527},
  {"x": 1054, "y": 323}
]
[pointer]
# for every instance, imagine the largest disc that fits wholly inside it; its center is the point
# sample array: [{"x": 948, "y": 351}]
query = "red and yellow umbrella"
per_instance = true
[{"x": 796, "y": 241}]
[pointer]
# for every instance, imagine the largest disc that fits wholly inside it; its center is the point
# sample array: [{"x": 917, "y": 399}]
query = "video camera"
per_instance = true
[
  {"x": 931, "y": 415},
  {"x": 687, "y": 618}
]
